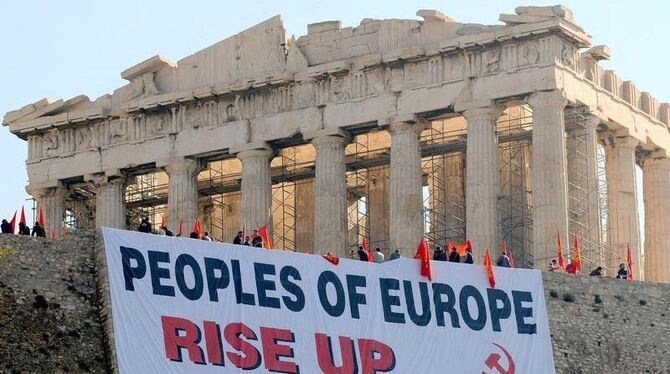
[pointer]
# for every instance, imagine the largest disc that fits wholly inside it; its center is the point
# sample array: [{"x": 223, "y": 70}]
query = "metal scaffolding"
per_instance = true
[
  {"x": 515, "y": 213},
  {"x": 443, "y": 200},
  {"x": 284, "y": 199},
  {"x": 80, "y": 207},
  {"x": 587, "y": 222},
  {"x": 145, "y": 195}
]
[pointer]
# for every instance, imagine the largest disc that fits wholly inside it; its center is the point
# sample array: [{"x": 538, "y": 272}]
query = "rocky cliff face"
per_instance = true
[{"x": 49, "y": 319}]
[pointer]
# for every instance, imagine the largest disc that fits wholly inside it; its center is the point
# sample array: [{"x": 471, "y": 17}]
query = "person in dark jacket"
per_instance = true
[
  {"x": 247, "y": 241},
  {"x": 194, "y": 235},
  {"x": 454, "y": 256},
  {"x": 503, "y": 261},
  {"x": 145, "y": 226},
  {"x": 597, "y": 272},
  {"x": 238, "y": 238},
  {"x": 622, "y": 273},
  {"x": 6, "y": 227},
  {"x": 257, "y": 241},
  {"x": 468, "y": 257},
  {"x": 362, "y": 255},
  {"x": 167, "y": 231},
  {"x": 394, "y": 255},
  {"x": 38, "y": 231},
  {"x": 23, "y": 229},
  {"x": 439, "y": 255}
]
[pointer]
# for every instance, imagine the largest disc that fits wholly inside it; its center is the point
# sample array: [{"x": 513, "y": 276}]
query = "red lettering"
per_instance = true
[
  {"x": 376, "y": 357},
  {"x": 272, "y": 351},
  {"x": 174, "y": 341},
  {"x": 324, "y": 353},
  {"x": 250, "y": 358},
  {"x": 213, "y": 343}
]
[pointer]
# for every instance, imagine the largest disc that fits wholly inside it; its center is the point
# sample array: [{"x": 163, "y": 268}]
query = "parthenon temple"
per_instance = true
[{"x": 391, "y": 130}]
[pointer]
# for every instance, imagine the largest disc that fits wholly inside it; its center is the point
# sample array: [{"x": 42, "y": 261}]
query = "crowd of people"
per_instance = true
[
  {"x": 37, "y": 231},
  {"x": 255, "y": 240},
  {"x": 572, "y": 269}
]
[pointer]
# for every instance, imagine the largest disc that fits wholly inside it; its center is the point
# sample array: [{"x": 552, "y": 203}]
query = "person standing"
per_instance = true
[
  {"x": 394, "y": 255},
  {"x": 553, "y": 266},
  {"x": 362, "y": 255},
  {"x": 238, "y": 238},
  {"x": 439, "y": 255},
  {"x": 503, "y": 261},
  {"x": 38, "y": 231},
  {"x": 622, "y": 273},
  {"x": 379, "y": 256},
  {"x": 454, "y": 256},
  {"x": 6, "y": 227},
  {"x": 468, "y": 257},
  {"x": 145, "y": 226}
]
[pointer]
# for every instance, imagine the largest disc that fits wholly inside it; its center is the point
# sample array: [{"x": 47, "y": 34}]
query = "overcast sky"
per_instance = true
[{"x": 60, "y": 49}]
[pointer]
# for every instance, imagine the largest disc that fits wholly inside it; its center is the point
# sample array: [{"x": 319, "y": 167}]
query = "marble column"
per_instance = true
[
  {"x": 549, "y": 176},
  {"x": 109, "y": 207},
  {"x": 406, "y": 198},
  {"x": 52, "y": 202},
  {"x": 657, "y": 225},
  {"x": 330, "y": 196},
  {"x": 182, "y": 194},
  {"x": 256, "y": 188},
  {"x": 482, "y": 179},
  {"x": 624, "y": 227},
  {"x": 582, "y": 155},
  {"x": 378, "y": 207},
  {"x": 455, "y": 196},
  {"x": 304, "y": 216}
]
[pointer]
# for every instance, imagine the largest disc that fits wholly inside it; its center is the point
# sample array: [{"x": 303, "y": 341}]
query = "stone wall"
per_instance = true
[
  {"x": 607, "y": 325},
  {"x": 49, "y": 319}
]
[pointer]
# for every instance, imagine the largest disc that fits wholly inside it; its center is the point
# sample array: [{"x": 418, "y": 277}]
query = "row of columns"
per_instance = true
[{"x": 549, "y": 186}]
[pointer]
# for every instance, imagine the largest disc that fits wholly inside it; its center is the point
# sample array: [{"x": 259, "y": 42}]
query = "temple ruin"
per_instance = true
[{"x": 390, "y": 130}]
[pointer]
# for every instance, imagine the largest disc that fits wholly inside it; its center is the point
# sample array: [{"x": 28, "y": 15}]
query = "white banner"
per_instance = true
[{"x": 184, "y": 306}]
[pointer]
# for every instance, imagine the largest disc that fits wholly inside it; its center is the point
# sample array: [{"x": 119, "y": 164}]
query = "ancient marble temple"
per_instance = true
[{"x": 393, "y": 129}]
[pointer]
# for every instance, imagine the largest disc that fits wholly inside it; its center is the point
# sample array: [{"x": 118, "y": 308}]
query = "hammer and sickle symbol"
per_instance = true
[{"x": 493, "y": 362}]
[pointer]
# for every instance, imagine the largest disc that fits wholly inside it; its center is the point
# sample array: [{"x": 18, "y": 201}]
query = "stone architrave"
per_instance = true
[
  {"x": 182, "y": 194},
  {"x": 483, "y": 181},
  {"x": 51, "y": 200},
  {"x": 549, "y": 176},
  {"x": 256, "y": 188},
  {"x": 657, "y": 226},
  {"x": 624, "y": 228},
  {"x": 406, "y": 198},
  {"x": 330, "y": 196},
  {"x": 109, "y": 206}
]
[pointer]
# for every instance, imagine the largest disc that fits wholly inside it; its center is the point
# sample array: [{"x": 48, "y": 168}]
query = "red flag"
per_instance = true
[
  {"x": 577, "y": 255},
  {"x": 244, "y": 233},
  {"x": 12, "y": 223},
  {"x": 196, "y": 228},
  {"x": 423, "y": 254},
  {"x": 181, "y": 228},
  {"x": 561, "y": 262},
  {"x": 508, "y": 252},
  {"x": 366, "y": 248},
  {"x": 23, "y": 216},
  {"x": 53, "y": 234},
  {"x": 489, "y": 269},
  {"x": 40, "y": 218},
  {"x": 163, "y": 221},
  {"x": 630, "y": 264},
  {"x": 265, "y": 235},
  {"x": 332, "y": 259}
]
